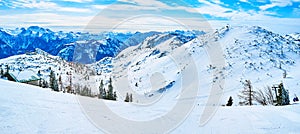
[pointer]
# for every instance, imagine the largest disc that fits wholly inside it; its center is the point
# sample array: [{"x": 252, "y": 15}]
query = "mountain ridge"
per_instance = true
[{"x": 22, "y": 40}]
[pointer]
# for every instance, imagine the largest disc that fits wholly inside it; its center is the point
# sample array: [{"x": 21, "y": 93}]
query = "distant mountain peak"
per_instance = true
[{"x": 22, "y": 40}]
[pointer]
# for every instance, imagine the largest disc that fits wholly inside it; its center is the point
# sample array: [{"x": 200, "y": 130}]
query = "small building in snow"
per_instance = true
[{"x": 26, "y": 76}]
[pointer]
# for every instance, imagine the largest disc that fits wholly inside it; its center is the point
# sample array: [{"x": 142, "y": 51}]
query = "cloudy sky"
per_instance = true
[{"x": 282, "y": 16}]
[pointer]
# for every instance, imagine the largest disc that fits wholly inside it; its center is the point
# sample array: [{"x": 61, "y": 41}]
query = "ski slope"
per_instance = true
[{"x": 30, "y": 109}]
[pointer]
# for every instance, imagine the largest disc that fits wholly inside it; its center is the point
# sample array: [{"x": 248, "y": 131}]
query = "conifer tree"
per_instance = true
[
  {"x": 1, "y": 72},
  {"x": 283, "y": 96},
  {"x": 101, "y": 90},
  {"x": 45, "y": 84},
  {"x": 70, "y": 80},
  {"x": 127, "y": 98},
  {"x": 230, "y": 101},
  {"x": 40, "y": 82},
  {"x": 53, "y": 81},
  {"x": 110, "y": 90},
  {"x": 60, "y": 82},
  {"x": 130, "y": 98},
  {"x": 104, "y": 94}
]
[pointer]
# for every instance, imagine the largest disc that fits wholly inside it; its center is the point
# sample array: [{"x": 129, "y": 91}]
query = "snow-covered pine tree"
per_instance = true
[
  {"x": 104, "y": 96},
  {"x": 60, "y": 82},
  {"x": 70, "y": 90},
  {"x": 130, "y": 97},
  {"x": 1, "y": 72},
  {"x": 53, "y": 81},
  {"x": 127, "y": 98},
  {"x": 247, "y": 94},
  {"x": 101, "y": 89},
  {"x": 7, "y": 69},
  {"x": 45, "y": 84},
  {"x": 110, "y": 90},
  {"x": 283, "y": 96},
  {"x": 40, "y": 82}
]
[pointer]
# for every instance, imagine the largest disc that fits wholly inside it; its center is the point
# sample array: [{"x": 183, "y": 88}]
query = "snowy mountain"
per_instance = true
[
  {"x": 249, "y": 53},
  {"x": 164, "y": 69},
  {"x": 41, "y": 63},
  {"x": 294, "y": 37},
  {"x": 259, "y": 55},
  {"x": 23, "y": 40},
  {"x": 68, "y": 45}
]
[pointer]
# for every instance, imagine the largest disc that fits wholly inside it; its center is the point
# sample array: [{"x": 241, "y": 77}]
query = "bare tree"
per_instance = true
[
  {"x": 269, "y": 95},
  {"x": 260, "y": 97},
  {"x": 284, "y": 74},
  {"x": 247, "y": 94}
]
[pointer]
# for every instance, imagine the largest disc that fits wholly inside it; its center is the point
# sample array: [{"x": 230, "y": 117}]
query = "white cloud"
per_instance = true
[
  {"x": 44, "y": 20},
  {"x": 118, "y": 14},
  {"x": 261, "y": 1},
  {"x": 215, "y": 10},
  {"x": 79, "y": 1},
  {"x": 44, "y": 5},
  {"x": 277, "y": 3},
  {"x": 138, "y": 6},
  {"x": 217, "y": 1},
  {"x": 144, "y": 23},
  {"x": 128, "y": 1},
  {"x": 296, "y": 11},
  {"x": 41, "y": 5},
  {"x": 29, "y": 4},
  {"x": 71, "y": 9},
  {"x": 246, "y": 1},
  {"x": 100, "y": 6}
]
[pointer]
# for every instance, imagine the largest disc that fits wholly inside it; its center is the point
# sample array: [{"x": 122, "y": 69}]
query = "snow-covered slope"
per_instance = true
[
  {"x": 30, "y": 109},
  {"x": 248, "y": 52},
  {"x": 161, "y": 67},
  {"x": 41, "y": 63},
  {"x": 261, "y": 56},
  {"x": 167, "y": 69}
]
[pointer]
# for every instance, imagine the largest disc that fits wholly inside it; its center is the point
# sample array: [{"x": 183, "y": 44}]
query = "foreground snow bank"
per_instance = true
[{"x": 29, "y": 109}]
